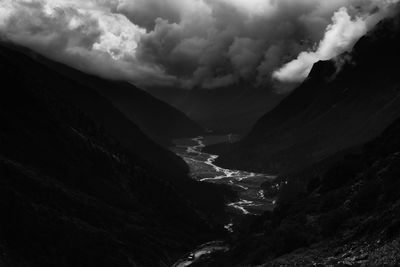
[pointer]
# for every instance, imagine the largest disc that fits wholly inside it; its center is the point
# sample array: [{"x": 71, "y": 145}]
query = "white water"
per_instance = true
[
  {"x": 203, "y": 250},
  {"x": 203, "y": 168}
]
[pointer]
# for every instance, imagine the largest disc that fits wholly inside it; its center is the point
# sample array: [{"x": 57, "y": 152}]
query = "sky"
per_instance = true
[{"x": 192, "y": 43}]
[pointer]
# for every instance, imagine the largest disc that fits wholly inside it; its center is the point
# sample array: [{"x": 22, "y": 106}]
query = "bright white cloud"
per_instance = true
[
  {"x": 119, "y": 36},
  {"x": 340, "y": 36}
]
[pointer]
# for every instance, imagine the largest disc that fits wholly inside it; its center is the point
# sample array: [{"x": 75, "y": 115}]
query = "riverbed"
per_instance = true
[{"x": 202, "y": 168}]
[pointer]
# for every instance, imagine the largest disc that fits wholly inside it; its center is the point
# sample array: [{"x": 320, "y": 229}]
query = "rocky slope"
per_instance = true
[
  {"x": 74, "y": 192},
  {"x": 112, "y": 120},
  {"x": 345, "y": 209},
  {"x": 345, "y": 215},
  {"x": 334, "y": 109},
  {"x": 155, "y": 118},
  {"x": 83, "y": 96}
]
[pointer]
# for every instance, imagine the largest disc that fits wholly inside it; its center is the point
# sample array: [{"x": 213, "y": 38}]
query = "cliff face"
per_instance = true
[
  {"x": 332, "y": 110},
  {"x": 77, "y": 182}
]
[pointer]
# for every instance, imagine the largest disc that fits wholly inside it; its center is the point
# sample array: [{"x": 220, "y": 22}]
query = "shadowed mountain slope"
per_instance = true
[
  {"x": 331, "y": 111},
  {"x": 345, "y": 215},
  {"x": 70, "y": 197},
  {"x": 77, "y": 89},
  {"x": 78, "y": 184},
  {"x": 156, "y": 119},
  {"x": 114, "y": 123},
  {"x": 161, "y": 122},
  {"x": 224, "y": 110}
]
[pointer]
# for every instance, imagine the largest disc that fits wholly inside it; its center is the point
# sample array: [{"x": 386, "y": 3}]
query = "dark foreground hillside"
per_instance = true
[
  {"x": 334, "y": 109},
  {"x": 346, "y": 215},
  {"x": 72, "y": 193},
  {"x": 74, "y": 87}
]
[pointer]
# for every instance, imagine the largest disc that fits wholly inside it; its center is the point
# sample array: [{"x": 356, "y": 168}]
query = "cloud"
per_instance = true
[
  {"x": 340, "y": 36},
  {"x": 86, "y": 36},
  {"x": 145, "y": 12},
  {"x": 191, "y": 43}
]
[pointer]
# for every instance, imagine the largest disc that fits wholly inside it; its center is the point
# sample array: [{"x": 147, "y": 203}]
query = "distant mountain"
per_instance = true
[
  {"x": 160, "y": 121},
  {"x": 155, "y": 118},
  {"x": 78, "y": 88},
  {"x": 332, "y": 110},
  {"x": 81, "y": 185},
  {"x": 226, "y": 110}
]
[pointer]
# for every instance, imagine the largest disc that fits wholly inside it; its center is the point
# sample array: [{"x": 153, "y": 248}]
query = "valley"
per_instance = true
[
  {"x": 246, "y": 184},
  {"x": 183, "y": 158}
]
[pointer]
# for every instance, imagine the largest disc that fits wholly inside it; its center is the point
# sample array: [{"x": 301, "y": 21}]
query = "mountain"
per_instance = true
[
  {"x": 160, "y": 121},
  {"x": 155, "y": 118},
  {"x": 342, "y": 210},
  {"x": 347, "y": 215},
  {"x": 114, "y": 123},
  {"x": 343, "y": 103},
  {"x": 74, "y": 88},
  {"x": 234, "y": 109},
  {"x": 78, "y": 180}
]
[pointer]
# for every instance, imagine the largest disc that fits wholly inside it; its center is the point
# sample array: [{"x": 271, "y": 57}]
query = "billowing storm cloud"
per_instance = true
[
  {"x": 340, "y": 36},
  {"x": 191, "y": 43}
]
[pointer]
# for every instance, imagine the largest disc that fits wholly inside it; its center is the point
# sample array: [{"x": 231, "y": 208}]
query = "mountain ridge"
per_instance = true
[
  {"x": 137, "y": 105},
  {"x": 73, "y": 166},
  {"x": 331, "y": 111},
  {"x": 71, "y": 196}
]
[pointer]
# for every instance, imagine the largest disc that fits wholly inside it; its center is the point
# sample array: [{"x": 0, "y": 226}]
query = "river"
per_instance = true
[
  {"x": 202, "y": 168},
  {"x": 252, "y": 200}
]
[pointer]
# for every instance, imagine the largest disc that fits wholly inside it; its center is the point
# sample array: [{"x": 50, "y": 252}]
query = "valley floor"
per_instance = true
[
  {"x": 247, "y": 184},
  {"x": 252, "y": 200}
]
